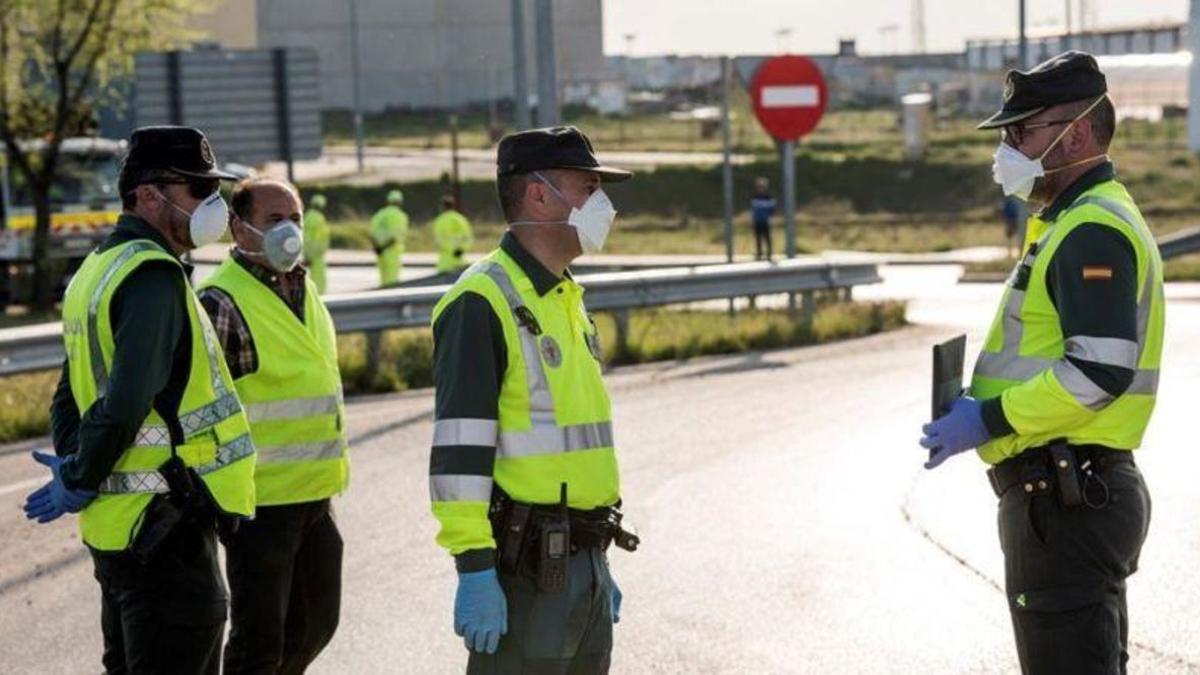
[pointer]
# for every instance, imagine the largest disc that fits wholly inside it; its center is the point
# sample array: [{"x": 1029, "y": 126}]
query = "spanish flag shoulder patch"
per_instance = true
[{"x": 1097, "y": 273}]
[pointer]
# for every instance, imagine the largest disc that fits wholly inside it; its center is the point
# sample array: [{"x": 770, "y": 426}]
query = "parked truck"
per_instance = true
[{"x": 85, "y": 204}]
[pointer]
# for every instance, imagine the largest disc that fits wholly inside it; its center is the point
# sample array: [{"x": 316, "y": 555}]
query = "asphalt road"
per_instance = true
[{"x": 788, "y": 526}]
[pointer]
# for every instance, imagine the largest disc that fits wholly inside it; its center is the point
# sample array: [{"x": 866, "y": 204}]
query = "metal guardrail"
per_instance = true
[
  {"x": 1179, "y": 243},
  {"x": 39, "y": 347}
]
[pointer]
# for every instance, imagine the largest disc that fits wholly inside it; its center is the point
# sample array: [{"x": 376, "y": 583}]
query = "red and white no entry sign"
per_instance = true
[{"x": 788, "y": 94}]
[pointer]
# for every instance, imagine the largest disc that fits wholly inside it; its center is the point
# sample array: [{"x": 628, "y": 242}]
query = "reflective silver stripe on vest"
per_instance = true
[
  {"x": 96, "y": 354},
  {"x": 545, "y": 435},
  {"x": 549, "y": 440},
  {"x": 465, "y": 431},
  {"x": 152, "y": 435},
  {"x": 293, "y": 408},
  {"x": 540, "y": 400},
  {"x": 1080, "y": 386},
  {"x": 300, "y": 452},
  {"x": 457, "y": 488},
  {"x": 1103, "y": 350},
  {"x": 193, "y": 422},
  {"x": 1008, "y": 364},
  {"x": 126, "y": 482}
]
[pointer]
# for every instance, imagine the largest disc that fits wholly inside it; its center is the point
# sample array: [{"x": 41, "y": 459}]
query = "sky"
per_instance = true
[{"x": 880, "y": 26}]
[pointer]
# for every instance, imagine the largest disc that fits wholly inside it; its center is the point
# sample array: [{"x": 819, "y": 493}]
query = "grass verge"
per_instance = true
[{"x": 406, "y": 356}]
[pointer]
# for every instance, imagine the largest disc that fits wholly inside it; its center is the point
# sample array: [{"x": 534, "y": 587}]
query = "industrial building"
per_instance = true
[{"x": 416, "y": 53}]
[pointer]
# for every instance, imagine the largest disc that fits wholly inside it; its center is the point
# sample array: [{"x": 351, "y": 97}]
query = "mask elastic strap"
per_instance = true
[
  {"x": 1068, "y": 128},
  {"x": 537, "y": 222},
  {"x": 1074, "y": 164}
]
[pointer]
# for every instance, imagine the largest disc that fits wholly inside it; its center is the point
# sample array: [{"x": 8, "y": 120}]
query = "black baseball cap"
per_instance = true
[
  {"x": 163, "y": 150},
  {"x": 552, "y": 148},
  {"x": 1070, "y": 76}
]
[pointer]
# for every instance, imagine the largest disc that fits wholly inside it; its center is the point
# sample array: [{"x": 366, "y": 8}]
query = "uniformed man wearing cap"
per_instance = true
[
  {"x": 1065, "y": 384},
  {"x": 152, "y": 445},
  {"x": 523, "y": 471}
]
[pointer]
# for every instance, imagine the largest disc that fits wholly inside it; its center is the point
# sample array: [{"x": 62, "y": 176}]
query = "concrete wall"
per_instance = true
[{"x": 429, "y": 53}]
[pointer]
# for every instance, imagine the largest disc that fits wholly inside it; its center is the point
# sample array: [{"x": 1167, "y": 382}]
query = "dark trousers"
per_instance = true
[
  {"x": 560, "y": 633},
  {"x": 1065, "y": 571},
  {"x": 762, "y": 239},
  {"x": 285, "y": 582},
  {"x": 166, "y": 616}
]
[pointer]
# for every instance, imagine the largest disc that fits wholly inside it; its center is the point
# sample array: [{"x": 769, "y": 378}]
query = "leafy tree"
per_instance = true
[{"x": 58, "y": 61}]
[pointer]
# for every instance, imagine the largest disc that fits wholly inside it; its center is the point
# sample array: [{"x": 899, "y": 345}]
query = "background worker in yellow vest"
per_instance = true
[
  {"x": 285, "y": 566},
  {"x": 452, "y": 233},
  {"x": 523, "y": 424},
  {"x": 316, "y": 241},
  {"x": 146, "y": 416},
  {"x": 1066, "y": 382},
  {"x": 389, "y": 229}
]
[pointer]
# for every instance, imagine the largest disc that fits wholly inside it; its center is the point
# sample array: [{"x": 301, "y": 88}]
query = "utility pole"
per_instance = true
[
  {"x": 1194, "y": 78},
  {"x": 1024, "y": 44},
  {"x": 520, "y": 71},
  {"x": 918, "y": 26},
  {"x": 548, "y": 110},
  {"x": 358, "y": 115}
]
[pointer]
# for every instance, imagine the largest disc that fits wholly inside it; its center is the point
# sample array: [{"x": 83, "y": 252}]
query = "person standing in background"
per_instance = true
[
  {"x": 389, "y": 228},
  {"x": 316, "y": 240},
  {"x": 762, "y": 207}
]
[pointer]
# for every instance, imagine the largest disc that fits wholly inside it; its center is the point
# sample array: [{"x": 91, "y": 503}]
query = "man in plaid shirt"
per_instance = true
[{"x": 285, "y": 566}]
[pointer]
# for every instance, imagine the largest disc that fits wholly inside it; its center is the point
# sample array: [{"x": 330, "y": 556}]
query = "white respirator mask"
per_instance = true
[
  {"x": 1016, "y": 174},
  {"x": 592, "y": 222},
  {"x": 207, "y": 222}
]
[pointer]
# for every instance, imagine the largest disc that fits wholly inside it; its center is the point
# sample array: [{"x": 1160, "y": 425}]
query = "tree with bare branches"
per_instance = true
[{"x": 58, "y": 61}]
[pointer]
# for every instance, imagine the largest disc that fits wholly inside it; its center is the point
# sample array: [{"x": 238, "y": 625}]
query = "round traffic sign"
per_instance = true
[{"x": 788, "y": 95}]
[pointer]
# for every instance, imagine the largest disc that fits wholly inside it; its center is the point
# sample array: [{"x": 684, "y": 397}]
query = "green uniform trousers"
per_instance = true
[{"x": 568, "y": 632}]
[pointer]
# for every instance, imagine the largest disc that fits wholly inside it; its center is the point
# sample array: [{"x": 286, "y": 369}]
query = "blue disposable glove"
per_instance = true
[
  {"x": 616, "y": 602},
  {"x": 480, "y": 610},
  {"x": 54, "y": 499},
  {"x": 958, "y": 431}
]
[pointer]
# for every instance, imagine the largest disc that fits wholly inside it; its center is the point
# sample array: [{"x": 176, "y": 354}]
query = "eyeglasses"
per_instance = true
[
  {"x": 198, "y": 188},
  {"x": 1014, "y": 134}
]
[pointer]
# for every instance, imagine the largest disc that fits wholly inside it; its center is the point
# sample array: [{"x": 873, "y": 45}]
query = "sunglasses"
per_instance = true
[
  {"x": 198, "y": 188},
  {"x": 1015, "y": 134}
]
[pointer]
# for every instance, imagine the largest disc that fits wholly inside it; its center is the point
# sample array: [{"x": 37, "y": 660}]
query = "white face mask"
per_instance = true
[
  {"x": 207, "y": 223},
  {"x": 1016, "y": 174},
  {"x": 592, "y": 222},
  {"x": 283, "y": 243}
]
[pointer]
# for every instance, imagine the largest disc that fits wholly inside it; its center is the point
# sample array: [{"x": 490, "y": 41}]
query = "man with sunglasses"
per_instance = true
[
  {"x": 1064, "y": 388},
  {"x": 152, "y": 445}
]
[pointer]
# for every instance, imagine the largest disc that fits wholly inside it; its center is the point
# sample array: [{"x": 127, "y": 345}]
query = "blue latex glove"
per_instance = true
[
  {"x": 959, "y": 430},
  {"x": 53, "y": 499},
  {"x": 616, "y": 602},
  {"x": 480, "y": 610}
]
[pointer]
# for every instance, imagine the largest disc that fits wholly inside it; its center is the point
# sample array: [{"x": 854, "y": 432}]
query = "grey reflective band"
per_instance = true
[
  {"x": 300, "y": 452},
  {"x": 540, "y": 399},
  {"x": 1107, "y": 351},
  {"x": 1009, "y": 364},
  {"x": 1080, "y": 386},
  {"x": 456, "y": 488},
  {"x": 293, "y": 408},
  {"x": 208, "y": 416},
  {"x": 548, "y": 440},
  {"x": 226, "y": 404},
  {"x": 545, "y": 436},
  {"x": 127, "y": 482},
  {"x": 95, "y": 353},
  {"x": 465, "y": 431},
  {"x": 152, "y": 435}
]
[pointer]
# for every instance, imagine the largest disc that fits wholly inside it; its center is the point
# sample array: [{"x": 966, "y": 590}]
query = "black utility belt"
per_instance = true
[
  {"x": 1071, "y": 471},
  {"x": 536, "y": 540}
]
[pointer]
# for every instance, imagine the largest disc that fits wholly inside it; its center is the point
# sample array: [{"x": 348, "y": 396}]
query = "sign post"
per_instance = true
[{"x": 788, "y": 94}]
